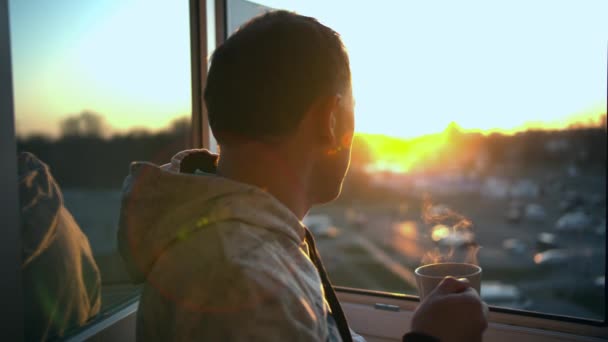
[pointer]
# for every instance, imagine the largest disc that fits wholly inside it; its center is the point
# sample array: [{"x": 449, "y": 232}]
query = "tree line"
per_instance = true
[{"x": 85, "y": 156}]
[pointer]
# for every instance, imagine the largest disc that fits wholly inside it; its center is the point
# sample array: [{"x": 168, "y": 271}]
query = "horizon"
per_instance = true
[{"x": 578, "y": 122}]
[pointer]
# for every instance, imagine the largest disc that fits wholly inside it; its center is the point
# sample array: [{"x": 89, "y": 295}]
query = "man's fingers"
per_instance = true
[{"x": 451, "y": 285}]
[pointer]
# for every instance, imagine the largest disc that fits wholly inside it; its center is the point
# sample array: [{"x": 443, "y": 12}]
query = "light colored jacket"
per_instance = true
[{"x": 220, "y": 260}]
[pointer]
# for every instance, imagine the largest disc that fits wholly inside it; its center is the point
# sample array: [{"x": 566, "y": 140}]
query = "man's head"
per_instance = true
[{"x": 281, "y": 78}]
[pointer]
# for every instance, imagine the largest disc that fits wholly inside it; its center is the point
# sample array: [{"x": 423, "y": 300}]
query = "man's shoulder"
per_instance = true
[{"x": 230, "y": 265}]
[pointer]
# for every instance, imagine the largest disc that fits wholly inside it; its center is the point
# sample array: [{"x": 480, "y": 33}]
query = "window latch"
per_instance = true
[{"x": 386, "y": 307}]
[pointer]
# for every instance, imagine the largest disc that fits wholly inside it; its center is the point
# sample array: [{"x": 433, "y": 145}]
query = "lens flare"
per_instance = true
[
  {"x": 440, "y": 232},
  {"x": 407, "y": 229}
]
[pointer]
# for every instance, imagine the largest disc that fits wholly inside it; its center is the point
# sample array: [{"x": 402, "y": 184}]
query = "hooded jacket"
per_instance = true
[
  {"x": 220, "y": 260},
  {"x": 61, "y": 281}
]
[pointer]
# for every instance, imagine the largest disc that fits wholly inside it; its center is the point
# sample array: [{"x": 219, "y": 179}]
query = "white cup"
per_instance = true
[{"x": 429, "y": 276}]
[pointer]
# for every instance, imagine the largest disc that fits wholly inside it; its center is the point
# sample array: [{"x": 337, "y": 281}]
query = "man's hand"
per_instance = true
[{"x": 453, "y": 312}]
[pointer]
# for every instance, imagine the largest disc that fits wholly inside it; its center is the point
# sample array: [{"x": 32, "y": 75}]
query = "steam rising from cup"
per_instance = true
[{"x": 452, "y": 232}]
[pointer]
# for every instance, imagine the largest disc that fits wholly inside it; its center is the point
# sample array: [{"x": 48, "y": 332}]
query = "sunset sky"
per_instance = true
[{"x": 417, "y": 65}]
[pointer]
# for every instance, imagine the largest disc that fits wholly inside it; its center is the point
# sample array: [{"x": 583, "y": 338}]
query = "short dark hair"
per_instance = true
[{"x": 266, "y": 76}]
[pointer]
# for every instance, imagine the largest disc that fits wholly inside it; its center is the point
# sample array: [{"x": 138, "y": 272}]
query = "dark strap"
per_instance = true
[
  {"x": 330, "y": 295},
  {"x": 418, "y": 337}
]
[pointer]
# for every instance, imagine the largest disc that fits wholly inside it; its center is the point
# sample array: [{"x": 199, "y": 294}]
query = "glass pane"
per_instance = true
[
  {"x": 481, "y": 137},
  {"x": 97, "y": 85}
]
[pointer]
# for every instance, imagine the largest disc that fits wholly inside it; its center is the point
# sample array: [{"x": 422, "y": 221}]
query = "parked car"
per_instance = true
[{"x": 320, "y": 225}]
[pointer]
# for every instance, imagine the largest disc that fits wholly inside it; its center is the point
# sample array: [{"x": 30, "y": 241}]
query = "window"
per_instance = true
[
  {"x": 96, "y": 86},
  {"x": 481, "y": 137}
]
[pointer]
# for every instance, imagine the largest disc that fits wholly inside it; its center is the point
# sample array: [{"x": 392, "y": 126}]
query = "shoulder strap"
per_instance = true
[{"x": 330, "y": 295}]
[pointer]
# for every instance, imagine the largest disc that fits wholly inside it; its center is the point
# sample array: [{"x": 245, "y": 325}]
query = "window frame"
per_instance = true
[
  {"x": 497, "y": 316},
  {"x": 384, "y": 318},
  {"x": 10, "y": 244},
  {"x": 113, "y": 325},
  {"x": 201, "y": 133}
]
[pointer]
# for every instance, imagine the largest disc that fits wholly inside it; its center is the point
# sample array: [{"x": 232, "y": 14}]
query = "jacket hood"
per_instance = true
[
  {"x": 40, "y": 202},
  {"x": 161, "y": 205}
]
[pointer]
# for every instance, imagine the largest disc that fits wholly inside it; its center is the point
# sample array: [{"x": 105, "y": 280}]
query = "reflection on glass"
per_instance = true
[
  {"x": 481, "y": 136},
  {"x": 97, "y": 86},
  {"x": 61, "y": 280}
]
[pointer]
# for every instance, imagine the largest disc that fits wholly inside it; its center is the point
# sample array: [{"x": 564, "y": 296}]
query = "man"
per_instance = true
[{"x": 219, "y": 242}]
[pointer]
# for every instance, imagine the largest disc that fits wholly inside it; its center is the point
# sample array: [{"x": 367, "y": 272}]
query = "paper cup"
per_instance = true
[{"x": 429, "y": 276}]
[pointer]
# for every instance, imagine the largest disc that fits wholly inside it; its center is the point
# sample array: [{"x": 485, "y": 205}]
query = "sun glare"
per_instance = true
[{"x": 400, "y": 156}]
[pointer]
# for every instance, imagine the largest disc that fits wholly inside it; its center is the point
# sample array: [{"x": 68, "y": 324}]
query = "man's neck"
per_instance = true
[{"x": 271, "y": 170}]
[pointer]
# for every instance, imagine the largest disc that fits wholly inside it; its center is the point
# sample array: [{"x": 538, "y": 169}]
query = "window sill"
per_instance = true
[
  {"x": 116, "y": 325},
  {"x": 360, "y": 307}
]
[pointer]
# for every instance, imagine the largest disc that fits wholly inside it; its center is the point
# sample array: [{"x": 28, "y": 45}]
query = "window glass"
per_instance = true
[
  {"x": 97, "y": 84},
  {"x": 480, "y": 137}
]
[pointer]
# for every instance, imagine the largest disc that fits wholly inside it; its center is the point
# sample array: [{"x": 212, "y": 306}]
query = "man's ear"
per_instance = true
[
  {"x": 326, "y": 111},
  {"x": 332, "y": 122}
]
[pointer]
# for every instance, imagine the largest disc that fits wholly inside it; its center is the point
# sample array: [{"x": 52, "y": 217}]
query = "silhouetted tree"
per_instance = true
[
  {"x": 85, "y": 124},
  {"x": 180, "y": 126}
]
